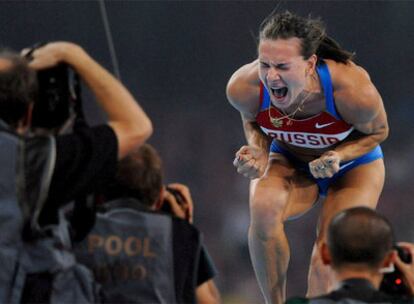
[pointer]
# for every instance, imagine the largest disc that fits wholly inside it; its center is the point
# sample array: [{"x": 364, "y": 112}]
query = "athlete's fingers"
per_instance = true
[
  {"x": 248, "y": 161},
  {"x": 252, "y": 174},
  {"x": 242, "y": 157},
  {"x": 240, "y": 161},
  {"x": 330, "y": 168},
  {"x": 332, "y": 162},
  {"x": 325, "y": 166},
  {"x": 330, "y": 173},
  {"x": 325, "y": 173},
  {"x": 246, "y": 167},
  {"x": 244, "y": 150},
  {"x": 249, "y": 169},
  {"x": 317, "y": 169},
  {"x": 236, "y": 161}
]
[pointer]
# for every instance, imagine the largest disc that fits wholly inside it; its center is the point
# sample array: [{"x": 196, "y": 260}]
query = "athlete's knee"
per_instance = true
[{"x": 266, "y": 213}]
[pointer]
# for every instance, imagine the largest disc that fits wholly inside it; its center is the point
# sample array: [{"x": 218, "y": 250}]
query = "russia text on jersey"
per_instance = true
[{"x": 307, "y": 140}]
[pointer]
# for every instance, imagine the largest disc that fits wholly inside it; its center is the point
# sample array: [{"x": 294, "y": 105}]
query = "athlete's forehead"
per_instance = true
[{"x": 280, "y": 50}]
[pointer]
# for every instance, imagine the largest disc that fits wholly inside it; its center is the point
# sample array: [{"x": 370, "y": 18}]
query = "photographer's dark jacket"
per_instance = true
[
  {"x": 140, "y": 256},
  {"x": 353, "y": 291},
  {"x": 36, "y": 263},
  {"x": 22, "y": 193},
  {"x": 25, "y": 248}
]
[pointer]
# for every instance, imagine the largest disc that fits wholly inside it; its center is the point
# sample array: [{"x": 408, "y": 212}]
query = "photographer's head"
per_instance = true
[
  {"x": 18, "y": 89},
  {"x": 359, "y": 239},
  {"x": 139, "y": 175}
]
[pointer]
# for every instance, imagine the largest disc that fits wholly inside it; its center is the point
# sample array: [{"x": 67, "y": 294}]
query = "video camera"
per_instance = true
[
  {"x": 58, "y": 95},
  {"x": 393, "y": 282}
]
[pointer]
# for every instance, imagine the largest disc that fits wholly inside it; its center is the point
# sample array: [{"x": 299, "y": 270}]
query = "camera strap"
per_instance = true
[{"x": 80, "y": 121}]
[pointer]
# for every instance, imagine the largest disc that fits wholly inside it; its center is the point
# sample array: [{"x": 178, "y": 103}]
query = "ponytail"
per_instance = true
[{"x": 330, "y": 49}]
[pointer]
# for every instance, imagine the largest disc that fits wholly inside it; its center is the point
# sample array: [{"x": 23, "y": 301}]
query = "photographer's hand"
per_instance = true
[
  {"x": 407, "y": 269},
  {"x": 46, "y": 56},
  {"x": 183, "y": 206}
]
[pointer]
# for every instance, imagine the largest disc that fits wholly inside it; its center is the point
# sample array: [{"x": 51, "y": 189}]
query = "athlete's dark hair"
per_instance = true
[
  {"x": 139, "y": 175},
  {"x": 310, "y": 31},
  {"x": 18, "y": 87},
  {"x": 359, "y": 235}
]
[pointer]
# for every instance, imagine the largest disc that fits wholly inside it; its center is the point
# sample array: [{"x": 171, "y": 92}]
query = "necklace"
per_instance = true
[{"x": 278, "y": 122}]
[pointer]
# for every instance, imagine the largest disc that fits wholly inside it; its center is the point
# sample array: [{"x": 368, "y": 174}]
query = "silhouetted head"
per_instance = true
[
  {"x": 18, "y": 87},
  {"x": 139, "y": 175},
  {"x": 359, "y": 236}
]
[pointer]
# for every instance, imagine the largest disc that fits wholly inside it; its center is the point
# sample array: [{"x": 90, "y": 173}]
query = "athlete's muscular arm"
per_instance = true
[
  {"x": 359, "y": 104},
  {"x": 243, "y": 91}
]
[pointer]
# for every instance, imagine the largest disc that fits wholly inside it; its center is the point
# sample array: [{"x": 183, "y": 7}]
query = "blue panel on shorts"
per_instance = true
[{"x": 323, "y": 183}]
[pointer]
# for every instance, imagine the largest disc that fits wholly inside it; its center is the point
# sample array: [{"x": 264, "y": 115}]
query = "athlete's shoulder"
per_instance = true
[
  {"x": 247, "y": 72},
  {"x": 346, "y": 76},
  {"x": 243, "y": 88},
  {"x": 354, "y": 91}
]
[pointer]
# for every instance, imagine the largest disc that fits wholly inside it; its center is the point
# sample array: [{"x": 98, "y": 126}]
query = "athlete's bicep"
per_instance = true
[
  {"x": 361, "y": 105},
  {"x": 377, "y": 125}
]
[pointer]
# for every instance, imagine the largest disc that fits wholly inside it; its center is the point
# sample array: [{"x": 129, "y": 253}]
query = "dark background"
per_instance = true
[{"x": 176, "y": 58}]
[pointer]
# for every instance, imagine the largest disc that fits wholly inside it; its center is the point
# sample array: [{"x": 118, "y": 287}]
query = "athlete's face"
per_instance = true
[{"x": 283, "y": 70}]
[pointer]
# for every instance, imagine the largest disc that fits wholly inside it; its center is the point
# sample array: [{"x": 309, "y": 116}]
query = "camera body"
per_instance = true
[
  {"x": 177, "y": 195},
  {"x": 52, "y": 107},
  {"x": 393, "y": 282},
  {"x": 58, "y": 90}
]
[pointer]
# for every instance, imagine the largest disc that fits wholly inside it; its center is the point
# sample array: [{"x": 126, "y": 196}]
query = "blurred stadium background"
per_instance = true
[{"x": 176, "y": 57}]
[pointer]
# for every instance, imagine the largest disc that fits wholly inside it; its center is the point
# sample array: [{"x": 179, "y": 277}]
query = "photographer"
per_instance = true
[
  {"x": 42, "y": 173},
  {"x": 359, "y": 249},
  {"x": 138, "y": 251}
]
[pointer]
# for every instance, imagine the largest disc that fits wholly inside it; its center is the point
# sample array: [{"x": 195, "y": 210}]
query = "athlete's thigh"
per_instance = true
[
  {"x": 283, "y": 188},
  {"x": 360, "y": 186}
]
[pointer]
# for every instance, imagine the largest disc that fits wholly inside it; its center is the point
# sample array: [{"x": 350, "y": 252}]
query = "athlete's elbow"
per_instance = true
[{"x": 383, "y": 133}]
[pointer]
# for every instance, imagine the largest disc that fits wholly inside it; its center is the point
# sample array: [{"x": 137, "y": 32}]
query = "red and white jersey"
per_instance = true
[{"x": 320, "y": 131}]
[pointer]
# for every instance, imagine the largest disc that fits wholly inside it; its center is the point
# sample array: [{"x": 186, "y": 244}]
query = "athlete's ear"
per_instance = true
[{"x": 311, "y": 62}]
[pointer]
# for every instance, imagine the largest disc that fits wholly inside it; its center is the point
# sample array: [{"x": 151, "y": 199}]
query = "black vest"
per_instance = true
[
  {"x": 25, "y": 248},
  {"x": 23, "y": 190},
  {"x": 131, "y": 252}
]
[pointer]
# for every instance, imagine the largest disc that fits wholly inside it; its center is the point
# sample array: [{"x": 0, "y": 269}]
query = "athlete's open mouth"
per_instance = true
[{"x": 280, "y": 93}]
